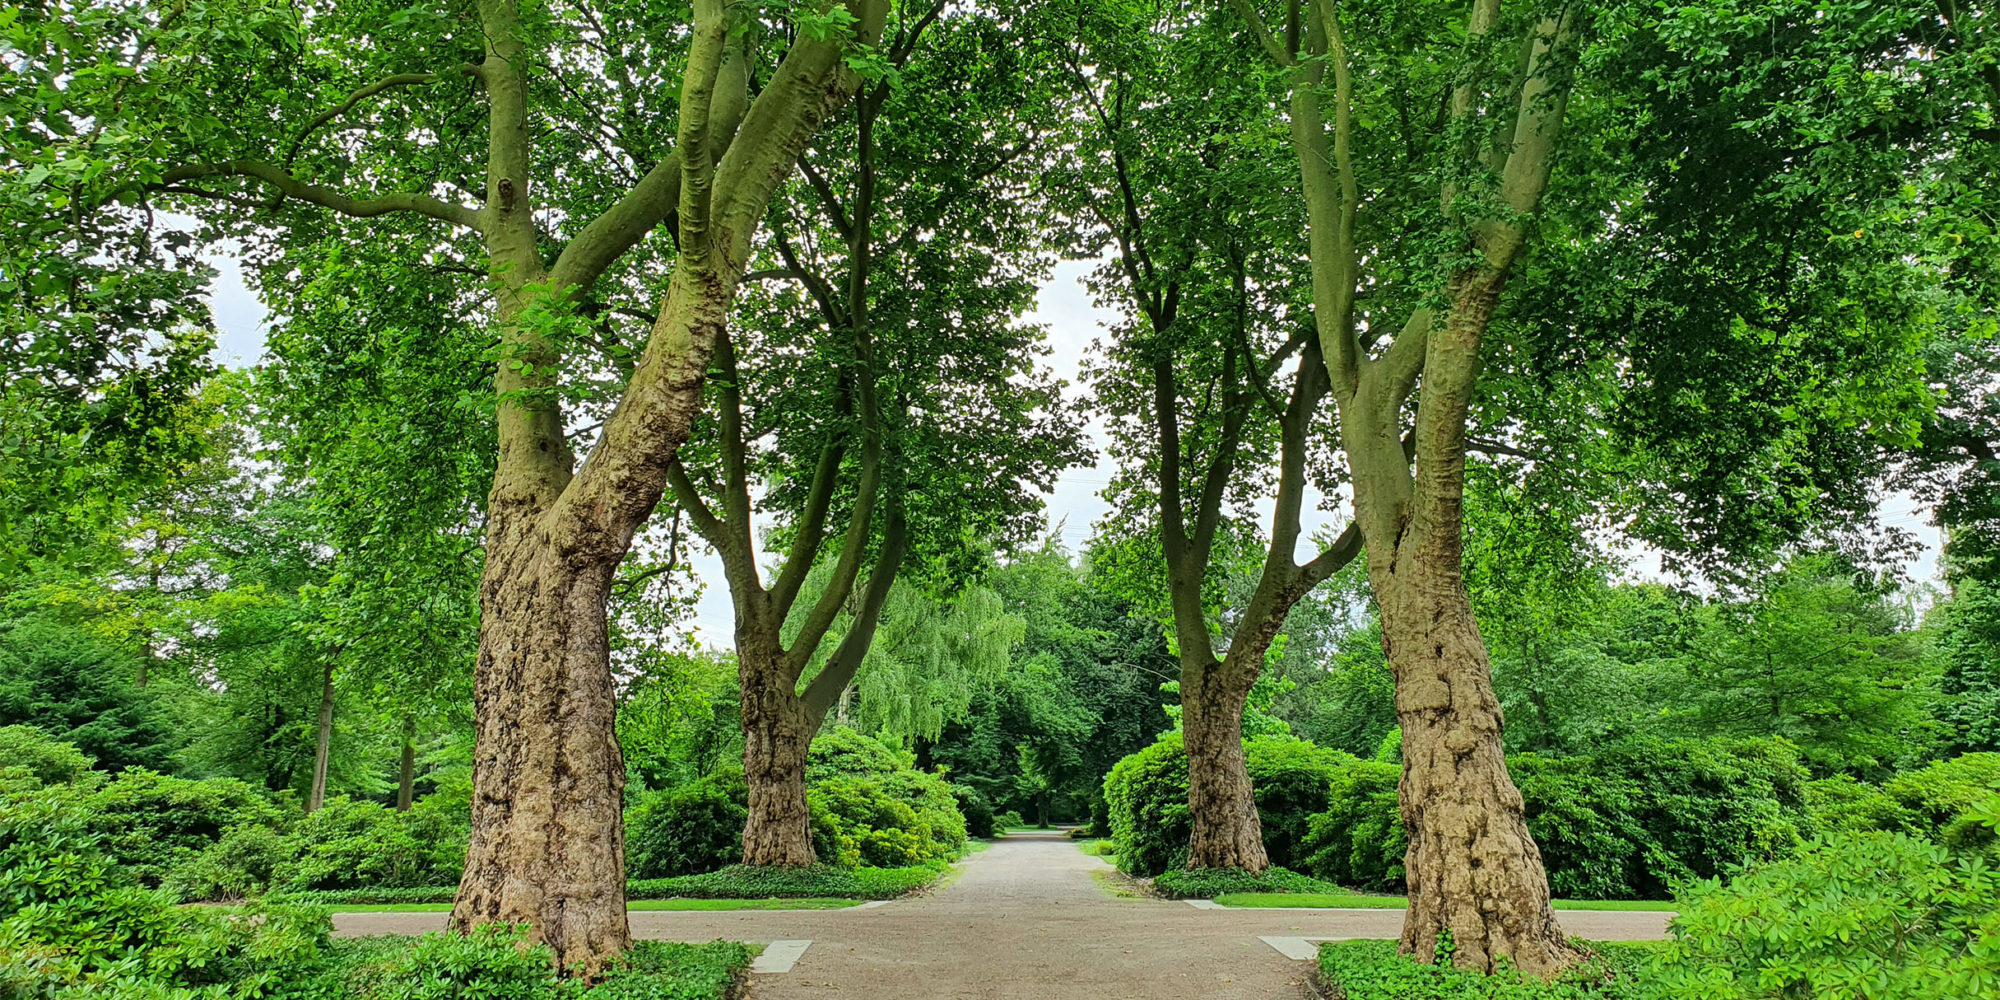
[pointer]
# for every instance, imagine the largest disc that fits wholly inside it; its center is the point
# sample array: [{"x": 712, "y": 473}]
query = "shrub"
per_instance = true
[
  {"x": 31, "y": 758},
  {"x": 1147, "y": 795},
  {"x": 73, "y": 922},
  {"x": 1208, "y": 883},
  {"x": 495, "y": 960},
  {"x": 349, "y": 844},
  {"x": 771, "y": 882},
  {"x": 976, "y": 808},
  {"x": 670, "y": 970},
  {"x": 1368, "y": 970},
  {"x": 1873, "y": 914},
  {"x": 1359, "y": 840},
  {"x": 247, "y": 862},
  {"x": 693, "y": 828},
  {"x": 1841, "y": 804},
  {"x": 842, "y": 751},
  {"x": 152, "y": 822},
  {"x": 869, "y": 807},
  {"x": 1939, "y": 800},
  {"x": 1008, "y": 820}
]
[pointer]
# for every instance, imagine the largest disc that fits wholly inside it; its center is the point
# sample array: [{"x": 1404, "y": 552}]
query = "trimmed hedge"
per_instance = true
[
  {"x": 1147, "y": 795},
  {"x": 735, "y": 882},
  {"x": 1208, "y": 883}
]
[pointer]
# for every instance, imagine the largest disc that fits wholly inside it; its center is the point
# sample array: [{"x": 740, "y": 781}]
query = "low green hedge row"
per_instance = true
[
  {"x": 735, "y": 882},
  {"x": 1208, "y": 883}
]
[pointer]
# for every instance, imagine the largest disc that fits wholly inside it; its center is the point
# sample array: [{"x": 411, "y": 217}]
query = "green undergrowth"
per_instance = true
[
  {"x": 819, "y": 903},
  {"x": 1372, "y": 970},
  {"x": 1354, "y": 901},
  {"x": 494, "y": 963},
  {"x": 1208, "y": 883},
  {"x": 737, "y": 882},
  {"x": 1099, "y": 849}
]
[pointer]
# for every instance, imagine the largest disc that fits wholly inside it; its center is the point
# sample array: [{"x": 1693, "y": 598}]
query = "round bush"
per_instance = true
[
  {"x": 1147, "y": 797},
  {"x": 350, "y": 844},
  {"x": 1359, "y": 839},
  {"x": 151, "y": 822},
  {"x": 1937, "y": 799},
  {"x": 689, "y": 829},
  {"x": 31, "y": 758}
]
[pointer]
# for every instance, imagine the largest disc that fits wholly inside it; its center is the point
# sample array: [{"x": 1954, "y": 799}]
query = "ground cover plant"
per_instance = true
[{"x": 389, "y": 394}]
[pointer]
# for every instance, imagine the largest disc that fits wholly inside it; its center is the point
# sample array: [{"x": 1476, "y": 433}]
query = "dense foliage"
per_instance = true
[{"x": 1147, "y": 793}]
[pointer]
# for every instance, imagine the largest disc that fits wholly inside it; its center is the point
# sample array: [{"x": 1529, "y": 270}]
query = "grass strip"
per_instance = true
[{"x": 1343, "y": 901}]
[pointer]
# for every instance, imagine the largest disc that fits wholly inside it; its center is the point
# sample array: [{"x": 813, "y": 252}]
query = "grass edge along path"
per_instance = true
[
  {"x": 1343, "y": 901},
  {"x": 732, "y": 883},
  {"x": 638, "y": 905}
]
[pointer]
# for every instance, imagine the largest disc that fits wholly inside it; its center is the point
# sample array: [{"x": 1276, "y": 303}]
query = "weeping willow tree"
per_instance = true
[{"x": 929, "y": 660}]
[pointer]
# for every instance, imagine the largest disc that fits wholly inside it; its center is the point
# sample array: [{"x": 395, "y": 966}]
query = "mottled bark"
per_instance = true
[
  {"x": 406, "y": 782},
  {"x": 1227, "y": 831},
  {"x": 777, "y": 733},
  {"x": 323, "y": 743},
  {"x": 1472, "y": 867}
]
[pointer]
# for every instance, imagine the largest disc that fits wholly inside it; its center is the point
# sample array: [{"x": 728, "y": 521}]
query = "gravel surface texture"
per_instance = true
[{"x": 1028, "y": 920}]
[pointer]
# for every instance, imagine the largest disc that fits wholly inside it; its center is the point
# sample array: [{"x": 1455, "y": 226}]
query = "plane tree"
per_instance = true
[
  {"x": 881, "y": 400},
  {"x": 541, "y": 145},
  {"x": 1530, "y": 220},
  {"x": 1212, "y": 388}
]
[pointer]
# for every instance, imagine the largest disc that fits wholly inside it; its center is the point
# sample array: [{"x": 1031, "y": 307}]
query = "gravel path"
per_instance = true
[{"x": 1027, "y": 918}]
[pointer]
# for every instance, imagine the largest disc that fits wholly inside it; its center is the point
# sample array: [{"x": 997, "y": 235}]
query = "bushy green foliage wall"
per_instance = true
[
  {"x": 1864, "y": 915},
  {"x": 870, "y": 806},
  {"x": 1147, "y": 793}
]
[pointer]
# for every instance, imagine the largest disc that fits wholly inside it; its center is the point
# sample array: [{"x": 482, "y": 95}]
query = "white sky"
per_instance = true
[{"x": 1073, "y": 322}]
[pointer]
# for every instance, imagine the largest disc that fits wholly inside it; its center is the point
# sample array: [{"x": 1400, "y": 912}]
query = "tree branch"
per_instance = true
[
  {"x": 292, "y": 187},
  {"x": 839, "y": 671},
  {"x": 362, "y": 94}
]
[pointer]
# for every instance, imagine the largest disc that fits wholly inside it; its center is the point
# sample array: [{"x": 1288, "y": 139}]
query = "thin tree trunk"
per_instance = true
[
  {"x": 323, "y": 747},
  {"x": 777, "y": 735},
  {"x": 1227, "y": 831},
  {"x": 406, "y": 786}
]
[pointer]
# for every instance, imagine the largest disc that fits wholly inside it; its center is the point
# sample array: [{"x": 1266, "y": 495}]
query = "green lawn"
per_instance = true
[
  {"x": 1316, "y": 900},
  {"x": 815, "y": 903}
]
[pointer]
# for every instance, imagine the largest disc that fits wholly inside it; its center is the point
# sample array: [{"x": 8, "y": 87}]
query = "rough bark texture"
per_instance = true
[
  {"x": 777, "y": 733},
  {"x": 323, "y": 744},
  {"x": 1227, "y": 831},
  {"x": 547, "y": 846},
  {"x": 1472, "y": 867},
  {"x": 548, "y": 832}
]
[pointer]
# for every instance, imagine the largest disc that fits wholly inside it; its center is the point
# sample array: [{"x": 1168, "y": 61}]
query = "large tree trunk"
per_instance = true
[
  {"x": 406, "y": 784},
  {"x": 548, "y": 831},
  {"x": 1227, "y": 832},
  {"x": 1472, "y": 868},
  {"x": 323, "y": 745},
  {"x": 777, "y": 735}
]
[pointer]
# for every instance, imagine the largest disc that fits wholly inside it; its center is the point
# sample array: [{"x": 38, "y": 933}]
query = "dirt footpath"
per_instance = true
[{"x": 1027, "y": 920}]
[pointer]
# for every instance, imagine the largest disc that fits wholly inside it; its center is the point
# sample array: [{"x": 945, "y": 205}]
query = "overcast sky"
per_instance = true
[{"x": 1064, "y": 307}]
